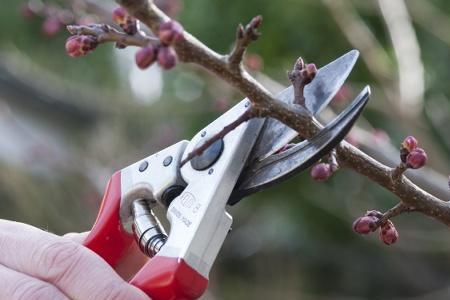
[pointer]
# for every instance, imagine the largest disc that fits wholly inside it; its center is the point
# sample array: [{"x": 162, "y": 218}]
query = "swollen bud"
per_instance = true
[
  {"x": 308, "y": 73},
  {"x": 416, "y": 159},
  {"x": 125, "y": 21},
  {"x": 170, "y": 32},
  {"x": 388, "y": 233},
  {"x": 167, "y": 58},
  {"x": 321, "y": 172},
  {"x": 145, "y": 56},
  {"x": 410, "y": 143},
  {"x": 365, "y": 224},
  {"x": 256, "y": 21},
  {"x": 80, "y": 45},
  {"x": 119, "y": 15}
]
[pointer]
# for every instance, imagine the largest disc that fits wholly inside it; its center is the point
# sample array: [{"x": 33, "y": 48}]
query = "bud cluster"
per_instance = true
[
  {"x": 165, "y": 56},
  {"x": 410, "y": 154},
  {"x": 305, "y": 71},
  {"x": 169, "y": 33},
  {"x": 368, "y": 223},
  {"x": 80, "y": 45}
]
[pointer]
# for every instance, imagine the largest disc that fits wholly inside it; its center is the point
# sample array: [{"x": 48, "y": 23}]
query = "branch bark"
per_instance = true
[
  {"x": 191, "y": 50},
  {"x": 105, "y": 33}
]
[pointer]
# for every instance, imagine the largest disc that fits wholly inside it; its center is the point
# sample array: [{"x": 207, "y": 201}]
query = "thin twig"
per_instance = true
[
  {"x": 247, "y": 115},
  {"x": 243, "y": 38},
  {"x": 393, "y": 212},
  {"x": 398, "y": 171}
]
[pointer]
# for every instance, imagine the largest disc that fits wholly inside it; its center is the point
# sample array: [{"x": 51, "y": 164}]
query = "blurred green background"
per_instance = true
[{"x": 66, "y": 125}]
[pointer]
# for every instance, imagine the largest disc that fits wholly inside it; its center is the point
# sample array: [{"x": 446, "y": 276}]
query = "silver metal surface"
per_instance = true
[
  {"x": 209, "y": 156},
  {"x": 282, "y": 166},
  {"x": 198, "y": 219},
  {"x": 317, "y": 94},
  {"x": 147, "y": 229},
  {"x": 152, "y": 182}
]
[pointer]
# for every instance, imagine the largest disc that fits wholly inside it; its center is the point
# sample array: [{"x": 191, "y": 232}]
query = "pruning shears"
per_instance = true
[{"x": 196, "y": 194}]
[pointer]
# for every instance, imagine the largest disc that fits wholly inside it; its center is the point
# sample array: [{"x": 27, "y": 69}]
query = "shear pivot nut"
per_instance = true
[{"x": 208, "y": 157}]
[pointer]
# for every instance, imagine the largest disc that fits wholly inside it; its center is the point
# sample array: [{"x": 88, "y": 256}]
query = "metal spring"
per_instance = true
[{"x": 147, "y": 230}]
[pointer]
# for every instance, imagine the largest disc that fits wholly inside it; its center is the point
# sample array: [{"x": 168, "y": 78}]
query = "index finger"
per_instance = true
[{"x": 131, "y": 262}]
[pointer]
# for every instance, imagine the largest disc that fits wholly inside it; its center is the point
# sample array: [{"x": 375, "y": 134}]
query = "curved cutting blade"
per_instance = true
[
  {"x": 282, "y": 166},
  {"x": 318, "y": 94}
]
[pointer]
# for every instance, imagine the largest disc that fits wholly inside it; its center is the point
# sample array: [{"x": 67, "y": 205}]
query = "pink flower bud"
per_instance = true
[
  {"x": 119, "y": 15},
  {"x": 388, "y": 233},
  {"x": 125, "y": 21},
  {"x": 321, "y": 172},
  {"x": 145, "y": 56},
  {"x": 308, "y": 73},
  {"x": 365, "y": 224},
  {"x": 170, "y": 32},
  {"x": 311, "y": 69},
  {"x": 410, "y": 143},
  {"x": 256, "y": 21},
  {"x": 79, "y": 45},
  {"x": 51, "y": 26},
  {"x": 416, "y": 159},
  {"x": 167, "y": 58}
]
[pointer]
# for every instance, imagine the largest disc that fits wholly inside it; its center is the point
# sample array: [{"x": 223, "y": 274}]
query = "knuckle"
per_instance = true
[
  {"x": 58, "y": 259},
  {"x": 33, "y": 289}
]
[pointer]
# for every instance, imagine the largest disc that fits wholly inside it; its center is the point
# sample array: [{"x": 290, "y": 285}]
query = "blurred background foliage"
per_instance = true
[{"x": 66, "y": 125}]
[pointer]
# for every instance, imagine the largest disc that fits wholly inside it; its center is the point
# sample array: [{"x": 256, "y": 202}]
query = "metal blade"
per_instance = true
[
  {"x": 282, "y": 166},
  {"x": 318, "y": 95}
]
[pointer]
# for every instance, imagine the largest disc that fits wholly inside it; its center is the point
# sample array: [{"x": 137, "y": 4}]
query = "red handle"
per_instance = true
[
  {"x": 170, "y": 278},
  {"x": 162, "y": 278},
  {"x": 107, "y": 237}
]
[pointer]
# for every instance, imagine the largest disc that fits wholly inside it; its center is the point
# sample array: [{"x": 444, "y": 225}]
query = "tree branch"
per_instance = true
[
  {"x": 105, "y": 33},
  {"x": 192, "y": 50}
]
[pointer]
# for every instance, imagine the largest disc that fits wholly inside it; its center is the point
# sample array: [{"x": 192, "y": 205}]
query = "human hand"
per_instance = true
[{"x": 35, "y": 264}]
